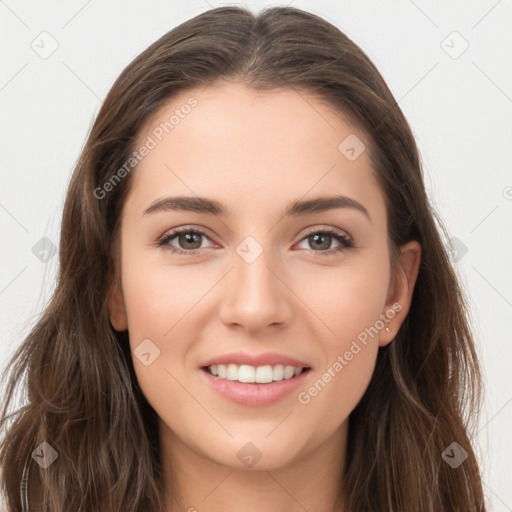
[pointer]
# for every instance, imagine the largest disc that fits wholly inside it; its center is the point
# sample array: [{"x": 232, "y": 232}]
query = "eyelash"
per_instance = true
[{"x": 346, "y": 242}]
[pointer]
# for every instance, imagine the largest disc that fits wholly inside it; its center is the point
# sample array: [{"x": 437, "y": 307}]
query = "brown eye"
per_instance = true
[
  {"x": 188, "y": 240},
  {"x": 320, "y": 242}
]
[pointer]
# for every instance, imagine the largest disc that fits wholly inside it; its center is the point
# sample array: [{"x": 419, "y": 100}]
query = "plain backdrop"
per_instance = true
[{"x": 448, "y": 64}]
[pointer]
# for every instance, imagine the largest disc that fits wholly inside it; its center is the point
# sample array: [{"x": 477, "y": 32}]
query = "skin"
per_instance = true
[{"x": 255, "y": 152}]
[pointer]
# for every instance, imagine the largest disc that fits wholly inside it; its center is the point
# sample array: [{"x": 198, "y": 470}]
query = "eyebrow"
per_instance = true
[{"x": 295, "y": 209}]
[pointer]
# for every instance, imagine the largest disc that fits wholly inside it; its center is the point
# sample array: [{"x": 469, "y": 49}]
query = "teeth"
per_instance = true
[{"x": 254, "y": 374}]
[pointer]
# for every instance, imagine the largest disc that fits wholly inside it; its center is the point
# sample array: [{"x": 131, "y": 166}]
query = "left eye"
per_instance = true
[
  {"x": 324, "y": 238},
  {"x": 190, "y": 241}
]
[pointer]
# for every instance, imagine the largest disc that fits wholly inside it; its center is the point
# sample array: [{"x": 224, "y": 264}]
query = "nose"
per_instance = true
[{"x": 255, "y": 294}]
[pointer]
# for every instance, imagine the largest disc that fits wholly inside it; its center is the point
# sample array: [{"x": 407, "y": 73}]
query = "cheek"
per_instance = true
[
  {"x": 333, "y": 392},
  {"x": 162, "y": 305},
  {"x": 347, "y": 299},
  {"x": 159, "y": 298}
]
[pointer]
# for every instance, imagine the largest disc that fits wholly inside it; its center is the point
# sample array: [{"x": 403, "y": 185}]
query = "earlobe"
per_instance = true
[
  {"x": 401, "y": 289},
  {"x": 117, "y": 310}
]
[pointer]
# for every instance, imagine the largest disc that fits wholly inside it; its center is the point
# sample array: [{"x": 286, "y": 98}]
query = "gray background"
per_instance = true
[{"x": 458, "y": 101}]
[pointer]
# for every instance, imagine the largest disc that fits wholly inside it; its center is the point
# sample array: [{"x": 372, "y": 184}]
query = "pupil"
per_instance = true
[
  {"x": 189, "y": 238},
  {"x": 325, "y": 244}
]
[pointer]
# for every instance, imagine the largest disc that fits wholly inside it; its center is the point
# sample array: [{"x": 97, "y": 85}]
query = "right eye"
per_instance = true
[{"x": 184, "y": 236}]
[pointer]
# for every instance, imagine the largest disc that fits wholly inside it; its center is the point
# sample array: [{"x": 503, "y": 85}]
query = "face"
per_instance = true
[{"x": 244, "y": 278}]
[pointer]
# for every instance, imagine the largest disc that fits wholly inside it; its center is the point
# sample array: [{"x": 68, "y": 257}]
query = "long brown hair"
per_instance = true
[{"x": 82, "y": 396}]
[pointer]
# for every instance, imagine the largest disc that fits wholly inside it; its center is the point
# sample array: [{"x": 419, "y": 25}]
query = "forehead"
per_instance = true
[{"x": 250, "y": 148}]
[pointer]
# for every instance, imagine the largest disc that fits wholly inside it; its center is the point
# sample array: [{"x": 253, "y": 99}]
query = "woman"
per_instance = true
[{"x": 254, "y": 369}]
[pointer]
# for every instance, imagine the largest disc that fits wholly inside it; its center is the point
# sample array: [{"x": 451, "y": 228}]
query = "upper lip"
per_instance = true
[{"x": 266, "y": 358}]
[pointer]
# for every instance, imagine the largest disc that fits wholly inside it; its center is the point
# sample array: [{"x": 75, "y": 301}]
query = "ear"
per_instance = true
[
  {"x": 116, "y": 309},
  {"x": 400, "y": 290}
]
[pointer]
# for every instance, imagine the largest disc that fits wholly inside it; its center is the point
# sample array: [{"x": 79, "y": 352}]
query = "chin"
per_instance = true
[{"x": 256, "y": 455}]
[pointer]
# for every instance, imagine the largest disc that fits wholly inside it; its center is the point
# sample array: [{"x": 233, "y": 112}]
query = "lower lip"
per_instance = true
[{"x": 254, "y": 394}]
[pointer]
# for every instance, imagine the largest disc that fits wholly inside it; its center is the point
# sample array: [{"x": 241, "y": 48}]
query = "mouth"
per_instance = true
[
  {"x": 244, "y": 386},
  {"x": 248, "y": 374}
]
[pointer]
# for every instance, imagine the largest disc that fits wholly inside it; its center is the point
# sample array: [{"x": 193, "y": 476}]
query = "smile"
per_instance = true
[
  {"x": 254, "y": 386},
  {"x": 251, "y": 374}
]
